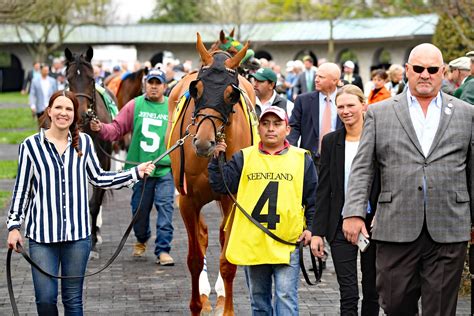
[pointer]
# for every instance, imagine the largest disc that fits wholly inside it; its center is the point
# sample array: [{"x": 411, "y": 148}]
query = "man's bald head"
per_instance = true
[
  {"x": 327, "y": 77},
  {"x": 423, "y": 80},
  {"x": 423, "y": 50}
]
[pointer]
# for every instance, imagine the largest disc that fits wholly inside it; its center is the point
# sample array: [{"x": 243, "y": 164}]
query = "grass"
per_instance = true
[
  {"x": 16, "y": 137},
  {"x": 5, "y": 197},
  {"x": 8, "y": 169},
  {"x": 13, "y": 97},
  {"x": 17, "y": 118}
]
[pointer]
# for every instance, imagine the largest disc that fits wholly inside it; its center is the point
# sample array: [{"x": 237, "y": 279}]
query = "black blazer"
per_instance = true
[
  {"x": 304, "y": 122},
  {"x": 330, "y": 194}
]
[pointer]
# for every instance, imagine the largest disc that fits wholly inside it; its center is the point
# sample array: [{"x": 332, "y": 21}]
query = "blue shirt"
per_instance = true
[{"x": 51, "y": 192}]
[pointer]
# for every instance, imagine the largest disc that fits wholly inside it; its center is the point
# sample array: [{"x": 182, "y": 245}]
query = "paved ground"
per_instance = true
[{"x": 140, "y": 287}]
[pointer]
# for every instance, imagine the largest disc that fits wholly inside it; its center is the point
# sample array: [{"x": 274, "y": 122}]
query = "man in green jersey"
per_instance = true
[{"x": 146, "y": 117}]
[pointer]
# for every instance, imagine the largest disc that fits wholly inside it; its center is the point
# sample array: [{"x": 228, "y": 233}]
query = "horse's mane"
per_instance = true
[{"x": 133, "y": 75}]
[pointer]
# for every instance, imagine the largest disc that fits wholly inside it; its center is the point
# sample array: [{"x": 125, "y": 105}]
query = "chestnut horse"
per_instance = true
[
  {"x": 80, "y": 76},
  {"x": 214, "y": 106}
]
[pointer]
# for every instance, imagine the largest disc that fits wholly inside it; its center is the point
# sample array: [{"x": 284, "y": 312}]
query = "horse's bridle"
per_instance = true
[{"x": 207, "y": 75}]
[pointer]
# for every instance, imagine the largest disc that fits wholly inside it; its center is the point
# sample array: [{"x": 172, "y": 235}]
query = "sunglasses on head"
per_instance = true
[{"x": 419, "y": 69}]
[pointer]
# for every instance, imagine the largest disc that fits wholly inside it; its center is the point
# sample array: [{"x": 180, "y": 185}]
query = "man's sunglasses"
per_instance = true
[{"x": 419, "y": 69}]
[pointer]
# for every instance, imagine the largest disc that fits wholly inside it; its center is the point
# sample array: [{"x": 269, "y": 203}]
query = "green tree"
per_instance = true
[
  {"x": 43, "y": 25},
  {"x": 448, "y": 39},
  {"x": 181, "y": 11}
]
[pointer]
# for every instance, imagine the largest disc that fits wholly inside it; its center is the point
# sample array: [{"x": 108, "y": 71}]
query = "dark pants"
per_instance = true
[
  {"x": 345, "y": 263},
  {"x": 406, "y": 271}
]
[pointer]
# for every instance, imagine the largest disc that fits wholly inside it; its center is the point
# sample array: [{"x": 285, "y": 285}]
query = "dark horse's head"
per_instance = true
[
  {"x": 215, "y": 91},
  {"x": 232, "y": 46},
  {"x": 80, "y": 76}
]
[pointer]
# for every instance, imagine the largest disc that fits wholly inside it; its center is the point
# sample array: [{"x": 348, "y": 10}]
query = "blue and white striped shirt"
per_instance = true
[{"x": 51, "y": 191}]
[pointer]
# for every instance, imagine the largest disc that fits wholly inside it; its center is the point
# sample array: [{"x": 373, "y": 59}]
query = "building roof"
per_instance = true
[{"x": 304, "y": 31}]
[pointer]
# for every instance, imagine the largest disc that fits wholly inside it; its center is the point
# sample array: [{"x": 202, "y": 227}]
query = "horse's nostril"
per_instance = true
[{"x": 213, "y": 143}]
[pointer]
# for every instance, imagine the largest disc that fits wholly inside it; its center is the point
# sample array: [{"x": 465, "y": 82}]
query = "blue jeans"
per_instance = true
[
  {"x": 72, "y": 257},
  {"x": 259, "y": 281},
  {"x": 160, "y": 191}
]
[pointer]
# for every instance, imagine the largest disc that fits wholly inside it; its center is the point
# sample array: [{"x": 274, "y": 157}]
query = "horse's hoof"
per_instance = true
[
  {"x": 219, "y": 310},
  {"x": 94, "y": 255},
  {"x": 206, "y": 306}
]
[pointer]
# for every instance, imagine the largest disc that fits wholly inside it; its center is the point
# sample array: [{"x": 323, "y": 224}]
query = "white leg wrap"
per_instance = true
[{"x": 204, "y": 285}]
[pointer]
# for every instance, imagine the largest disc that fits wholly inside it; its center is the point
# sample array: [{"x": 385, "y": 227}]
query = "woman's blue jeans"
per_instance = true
[{"x": 71, "y": 257}]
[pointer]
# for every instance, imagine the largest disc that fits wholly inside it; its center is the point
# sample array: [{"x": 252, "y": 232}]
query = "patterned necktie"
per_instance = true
[{"x": 325, "y": 122}]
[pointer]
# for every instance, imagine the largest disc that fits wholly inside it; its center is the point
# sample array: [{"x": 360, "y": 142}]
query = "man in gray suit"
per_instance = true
[
  {"x": 42, "y": 88},
  {"x": 421, "y": 141}
]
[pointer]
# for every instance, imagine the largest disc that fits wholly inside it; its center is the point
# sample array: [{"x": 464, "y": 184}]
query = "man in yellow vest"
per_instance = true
[{"x": 275, "y": 184}]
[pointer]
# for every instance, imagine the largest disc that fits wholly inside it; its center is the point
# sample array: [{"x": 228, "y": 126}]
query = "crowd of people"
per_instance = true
[{"x": 387, "y": 163}]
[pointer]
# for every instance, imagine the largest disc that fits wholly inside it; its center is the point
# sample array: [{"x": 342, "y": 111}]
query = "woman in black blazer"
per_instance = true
[{"x": 337, "y": 152}]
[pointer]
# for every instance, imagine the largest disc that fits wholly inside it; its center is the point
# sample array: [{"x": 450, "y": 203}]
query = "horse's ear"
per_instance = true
[
  {"x": 193, "y": 89},
  {"x": 231, "y": 34},
  {"x": 234, "y": 62},
  {"x": 206, "y": 58},
  {"x": 89, "y": 54},
  {"x": 222, "y": 37},
  {"x": 68, "y": 54},
  {"x": 145, "y": 71}
]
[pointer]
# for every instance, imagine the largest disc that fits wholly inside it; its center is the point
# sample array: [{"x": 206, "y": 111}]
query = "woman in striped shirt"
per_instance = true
[{"x": 50, "y": 197}]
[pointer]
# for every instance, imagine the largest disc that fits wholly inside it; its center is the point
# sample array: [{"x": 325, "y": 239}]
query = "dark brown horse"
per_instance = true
[
  {"x": 80, "y": 76},
  {"x": 130, "y": 87},
  {"x": 214, "y": 106}
]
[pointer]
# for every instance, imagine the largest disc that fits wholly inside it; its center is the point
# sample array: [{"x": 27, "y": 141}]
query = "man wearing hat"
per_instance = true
[
  {"x": 264, "y": 85},
  {"x": 349, "y": 76},
  {"x": 461, "y": 69},
  {"x": 276, "y": 184},
  {"x": 146, "y": 117},
  {"x": 466, "y": 91}
]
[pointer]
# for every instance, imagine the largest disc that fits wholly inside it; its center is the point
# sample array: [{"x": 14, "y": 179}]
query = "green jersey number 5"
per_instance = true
[{"x": 147, "y": 127}]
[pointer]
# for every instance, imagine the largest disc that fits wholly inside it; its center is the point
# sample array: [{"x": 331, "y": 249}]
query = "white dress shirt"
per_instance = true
[{"x": 425, "y": 126}]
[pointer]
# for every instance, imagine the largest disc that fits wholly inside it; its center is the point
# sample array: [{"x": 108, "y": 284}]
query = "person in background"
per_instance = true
[
  {"x": 50, "y": 199},
  {"x": 315, "y": 114},
  {"x": 337, "y": 152},
  {"x": 379, "y": 93},
  {"x": 460, "y": 70},
  {"x": 42, "y": 88},
  {"x": 35, "y": 72},
  {"x": 349, "y": 76},
  {"x": 146, "y": 117},
  {"x": 395, "y": 84},
  {"x": 305, "y": 82},
  {"x": 291, "y": 190},
  {"x": 466, "y": 90},
  {"x": 264, "y": 81}
]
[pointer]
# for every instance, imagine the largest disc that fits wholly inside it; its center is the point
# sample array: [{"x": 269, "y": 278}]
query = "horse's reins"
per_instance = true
[{"x": 25, "y": 255}]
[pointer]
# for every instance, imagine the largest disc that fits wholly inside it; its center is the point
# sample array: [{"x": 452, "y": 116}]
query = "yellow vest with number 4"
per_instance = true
[{"x": 270, "y": 190}]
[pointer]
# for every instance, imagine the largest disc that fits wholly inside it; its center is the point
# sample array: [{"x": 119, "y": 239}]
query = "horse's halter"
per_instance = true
[
  {"x": 215, "y": 80},
  {"x": 91, "y": 104}
]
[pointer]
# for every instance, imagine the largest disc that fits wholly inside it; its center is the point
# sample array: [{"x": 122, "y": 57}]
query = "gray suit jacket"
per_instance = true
[
  {"x": 389, "y": 139},
  {"x": 36, "y": 93}
]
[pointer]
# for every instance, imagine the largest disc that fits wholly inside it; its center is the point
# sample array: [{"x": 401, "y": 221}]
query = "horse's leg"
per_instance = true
[
  {"x": 94, "y": 207},
  {"x": 227, "y": 269},
  {"x": 190, "y": 214},
  {"x": 204, "y": 285}
]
